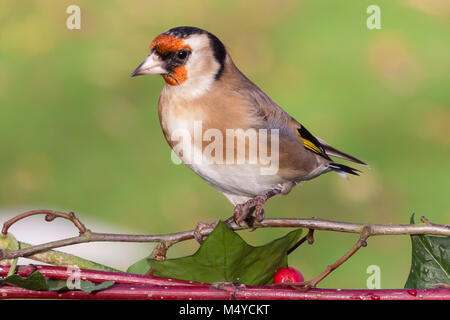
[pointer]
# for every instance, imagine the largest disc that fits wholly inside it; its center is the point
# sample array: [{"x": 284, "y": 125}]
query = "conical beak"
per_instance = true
[{"x": 152, "y": 65}]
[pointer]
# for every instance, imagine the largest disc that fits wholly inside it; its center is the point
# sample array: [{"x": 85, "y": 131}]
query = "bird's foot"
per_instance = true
[
  {"x": 200, "y": 227},
  {"x": 244, "y": 211}
]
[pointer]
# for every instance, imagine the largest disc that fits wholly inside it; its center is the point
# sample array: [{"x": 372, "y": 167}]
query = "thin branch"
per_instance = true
[
  {"x": 50, "y": 215},
  {"x": 314, "y": 223},
  {"x": 362, "y": 242}
]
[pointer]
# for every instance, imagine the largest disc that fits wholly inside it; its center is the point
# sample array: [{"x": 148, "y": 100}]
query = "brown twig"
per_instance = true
[
  {"x": 362, "y": 242},
  {"x": 316, "y": 224},
  {"x": 50, "y": 215},
  {"x": 306, "y": 285}
]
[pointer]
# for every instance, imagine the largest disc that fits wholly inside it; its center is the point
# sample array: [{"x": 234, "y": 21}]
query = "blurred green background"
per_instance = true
[{"x": 76, "y": 133}]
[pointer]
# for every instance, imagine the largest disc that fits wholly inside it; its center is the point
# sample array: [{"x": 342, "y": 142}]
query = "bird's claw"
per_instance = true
[
  {"x": 244, "y": 211},
  {"x": 200, "y": 227},
  {"x": 240, "y": 213}
]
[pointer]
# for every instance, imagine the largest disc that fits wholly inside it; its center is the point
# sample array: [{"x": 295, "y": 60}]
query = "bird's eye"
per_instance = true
[{"x": 182, "y": 54}]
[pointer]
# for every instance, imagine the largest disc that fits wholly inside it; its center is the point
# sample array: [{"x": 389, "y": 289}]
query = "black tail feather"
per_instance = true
[{"x": 343, "y": 168}]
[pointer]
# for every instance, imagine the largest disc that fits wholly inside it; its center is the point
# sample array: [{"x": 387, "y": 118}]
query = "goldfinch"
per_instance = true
[{"x": 208, "y": 102}]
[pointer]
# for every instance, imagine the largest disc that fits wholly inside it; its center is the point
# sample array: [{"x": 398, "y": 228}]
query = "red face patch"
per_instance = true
[
  {"x": 165, "y": 44},
  {"x": 179, "y": 73}
]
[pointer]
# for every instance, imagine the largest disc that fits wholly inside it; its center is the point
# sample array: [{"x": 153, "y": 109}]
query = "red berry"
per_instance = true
[{"x": 288, "y": 275}]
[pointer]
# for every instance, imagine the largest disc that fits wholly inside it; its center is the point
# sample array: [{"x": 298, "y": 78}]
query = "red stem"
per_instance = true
[
  {"x": 140, "y": 287},
  {"x": 146, "y": 292},
  {"x": 61, "y": 273}
]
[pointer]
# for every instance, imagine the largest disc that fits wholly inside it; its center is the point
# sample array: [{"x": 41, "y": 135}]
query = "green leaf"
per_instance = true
[
  {"x": 57, "y": 285},
  {"x": 36, "y": 281},
  {"x": 139, "y": 267},
  {"x": 90, "y": 287},
  {"x": 225, "y": 257},
  {"x": 430, "y": 261},
  {"x": 8, "y": 242},
  {"x": 86, "y": 286}
]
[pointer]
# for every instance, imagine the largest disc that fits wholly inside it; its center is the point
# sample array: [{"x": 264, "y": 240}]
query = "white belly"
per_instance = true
[
  {"x": 239, "y": 182},
  {"x": 242, "y": 180}
]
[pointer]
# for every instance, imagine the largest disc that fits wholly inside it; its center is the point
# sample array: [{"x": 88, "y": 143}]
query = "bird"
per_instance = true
[{"x": 205, "y": 91}]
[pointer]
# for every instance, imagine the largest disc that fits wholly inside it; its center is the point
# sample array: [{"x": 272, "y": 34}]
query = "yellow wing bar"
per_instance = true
[{"x": 311, "y": 143}]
